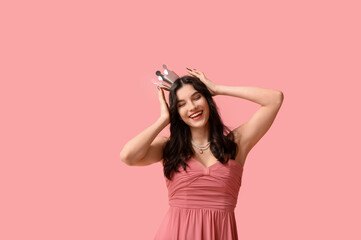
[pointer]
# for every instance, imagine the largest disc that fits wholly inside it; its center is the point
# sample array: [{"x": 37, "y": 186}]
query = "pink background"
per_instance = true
[{"x": 76, "y": 86}]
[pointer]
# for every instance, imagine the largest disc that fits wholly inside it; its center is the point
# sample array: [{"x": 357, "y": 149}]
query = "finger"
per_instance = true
[
  {"x": 191, "y": 71},
  {"x": 162, "y": 95},
  {"x": 160, "y": 92}
]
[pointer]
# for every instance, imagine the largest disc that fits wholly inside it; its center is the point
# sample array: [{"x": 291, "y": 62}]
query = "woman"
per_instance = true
[{"x": 202, "y": 159}]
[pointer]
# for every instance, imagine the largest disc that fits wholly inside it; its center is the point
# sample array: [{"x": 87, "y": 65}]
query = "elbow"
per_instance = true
[
  {"x": 124, "y": 158},
  {"x": 279, "y": 97},
  {"x": 277, "y": 100}
]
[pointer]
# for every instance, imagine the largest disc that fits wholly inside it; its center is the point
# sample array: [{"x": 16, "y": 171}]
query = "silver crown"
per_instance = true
[{"x": 165, "y": 80}]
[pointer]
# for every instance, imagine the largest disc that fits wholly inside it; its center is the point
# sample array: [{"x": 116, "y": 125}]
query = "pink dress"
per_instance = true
[{"x": 202, "y": 202}]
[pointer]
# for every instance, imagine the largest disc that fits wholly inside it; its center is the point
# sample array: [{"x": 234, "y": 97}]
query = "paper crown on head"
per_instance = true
[{"x": 167, "y": 79}]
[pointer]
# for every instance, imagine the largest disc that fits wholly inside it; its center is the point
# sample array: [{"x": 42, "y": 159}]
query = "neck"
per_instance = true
[{"x": 200, "y": 135}]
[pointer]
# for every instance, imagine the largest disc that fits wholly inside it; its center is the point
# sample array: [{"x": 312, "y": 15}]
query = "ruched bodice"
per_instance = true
[{"x": 202, "y": 202}]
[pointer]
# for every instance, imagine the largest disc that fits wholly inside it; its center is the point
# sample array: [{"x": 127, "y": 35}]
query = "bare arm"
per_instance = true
[
  {"x": 249, "y": 133},
  {"x": 262, "y": 96},
  {"x": 146, "y": 147}
]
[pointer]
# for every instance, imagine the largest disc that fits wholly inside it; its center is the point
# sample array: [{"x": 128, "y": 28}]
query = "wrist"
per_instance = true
[
  {"x": 216, "y": 90},
  {"x": 163, "y": 121}
]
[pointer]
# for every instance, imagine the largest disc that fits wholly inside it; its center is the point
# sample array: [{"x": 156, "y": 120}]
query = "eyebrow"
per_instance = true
[{"x": 191, "y": 96}]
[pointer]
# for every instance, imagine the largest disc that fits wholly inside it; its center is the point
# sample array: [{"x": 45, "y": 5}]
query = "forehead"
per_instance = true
[{"x": 185, "y": 92}]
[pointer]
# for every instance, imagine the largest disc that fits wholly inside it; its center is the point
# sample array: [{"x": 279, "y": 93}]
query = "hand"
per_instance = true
[
  {"x": 164, "y": 109},
  {"x": 210, "y": 85}
]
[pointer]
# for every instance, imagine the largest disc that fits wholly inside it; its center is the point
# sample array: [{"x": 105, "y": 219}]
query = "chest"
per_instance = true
[{"x": 206, "y": 158}]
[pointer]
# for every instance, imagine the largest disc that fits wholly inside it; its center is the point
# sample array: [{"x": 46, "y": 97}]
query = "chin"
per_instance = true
[{"x": 198, "y": 124}]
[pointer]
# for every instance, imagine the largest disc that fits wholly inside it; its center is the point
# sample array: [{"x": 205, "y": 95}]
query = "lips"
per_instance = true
[{"x": 196, "y": 113}]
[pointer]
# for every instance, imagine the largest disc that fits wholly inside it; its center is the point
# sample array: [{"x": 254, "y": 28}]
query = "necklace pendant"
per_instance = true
[{"x": 201, "y": 151}]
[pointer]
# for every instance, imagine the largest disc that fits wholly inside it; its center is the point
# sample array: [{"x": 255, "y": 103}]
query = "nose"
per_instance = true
[{"x": 192, "y": 106}]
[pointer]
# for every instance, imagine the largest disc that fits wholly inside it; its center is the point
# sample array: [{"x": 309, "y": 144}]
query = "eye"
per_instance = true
[{"x": 198, "y": 97}]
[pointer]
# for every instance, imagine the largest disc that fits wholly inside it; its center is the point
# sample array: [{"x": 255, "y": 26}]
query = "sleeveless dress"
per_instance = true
[{"x": 202, "y": 202}]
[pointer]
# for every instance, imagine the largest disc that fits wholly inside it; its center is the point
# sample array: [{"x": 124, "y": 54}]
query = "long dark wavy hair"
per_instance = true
[{"x": 179, "y": 148}]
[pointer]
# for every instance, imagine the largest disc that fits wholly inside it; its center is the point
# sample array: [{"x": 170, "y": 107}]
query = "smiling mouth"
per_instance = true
[{"x": 196, "y": 115}]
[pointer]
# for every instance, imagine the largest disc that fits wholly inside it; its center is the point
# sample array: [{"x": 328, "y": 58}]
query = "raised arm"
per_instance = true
[
  {"x": 146, "y": 148},
  {"x": 249, "y": 133}
]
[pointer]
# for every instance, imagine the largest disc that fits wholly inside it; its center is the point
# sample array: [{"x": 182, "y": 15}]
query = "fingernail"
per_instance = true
[
  {"x": 158, "y": 88},
  {"x": 189, "y": 69}
]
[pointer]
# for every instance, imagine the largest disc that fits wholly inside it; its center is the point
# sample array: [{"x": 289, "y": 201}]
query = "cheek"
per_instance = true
[
  {"x": 207, "y": 112},
  {"x": 181, "y": 114}
]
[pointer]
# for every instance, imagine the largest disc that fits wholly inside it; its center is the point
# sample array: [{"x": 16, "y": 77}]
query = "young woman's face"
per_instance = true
[{"x": 192, "y": 106}]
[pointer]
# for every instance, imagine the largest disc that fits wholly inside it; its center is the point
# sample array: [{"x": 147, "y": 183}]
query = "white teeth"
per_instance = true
[{"x": 193, "y": 116}]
